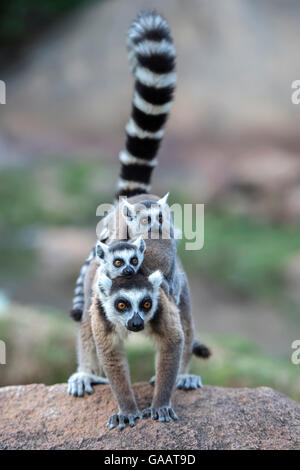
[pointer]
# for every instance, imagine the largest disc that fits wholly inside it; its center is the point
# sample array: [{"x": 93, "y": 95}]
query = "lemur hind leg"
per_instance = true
[
  {"x": 185, "y": 380},
  {"x": 111, "y": 354},
  {"x": 167, "y": 332}
]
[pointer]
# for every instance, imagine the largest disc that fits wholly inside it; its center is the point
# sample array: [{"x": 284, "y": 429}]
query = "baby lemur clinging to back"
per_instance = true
[
  {"x": 120, "y": 258},
  {"x": 115, "y": 306}
]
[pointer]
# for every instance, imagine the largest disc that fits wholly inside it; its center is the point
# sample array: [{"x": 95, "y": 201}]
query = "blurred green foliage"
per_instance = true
[
  {"x": 245, "y": 255},
  {"x": 40, "y": 346},
  {"x": 41, "y": 195},
  {"x": 52, "y": 194},
  {"x": 21, "y": 20},
  {"x": 56, "y": 352}
]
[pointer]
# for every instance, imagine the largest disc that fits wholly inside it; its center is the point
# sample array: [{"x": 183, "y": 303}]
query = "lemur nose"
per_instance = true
[
  {"x": 128, "y": 271},
  {"x": 135, "y": 323}
]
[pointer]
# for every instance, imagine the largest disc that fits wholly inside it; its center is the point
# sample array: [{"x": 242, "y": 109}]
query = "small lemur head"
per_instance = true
[
  {"x": 147, "y": 216},
  {"x": 121, "y": 258},
  {"x": 130, "y": 303}
]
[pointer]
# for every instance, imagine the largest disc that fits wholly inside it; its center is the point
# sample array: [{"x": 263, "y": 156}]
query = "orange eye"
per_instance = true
[
  {"x": 118, "y": 263},
  {"x": 147, "y": 304},
  {"x": 134, "y": 261},
  {"x": 121, "y": 306},
  {"x": 160, "y": 219}
]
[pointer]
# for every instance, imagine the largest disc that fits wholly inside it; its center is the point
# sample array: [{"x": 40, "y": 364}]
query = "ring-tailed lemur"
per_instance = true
[
  {"x": 152, "y": 58},
  {"x": 121, "y": 258},
  {"x": 129, "y": 306}
]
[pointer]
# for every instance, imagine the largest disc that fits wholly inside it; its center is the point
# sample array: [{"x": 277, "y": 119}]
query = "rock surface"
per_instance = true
[{"x": 40, "y": 417}]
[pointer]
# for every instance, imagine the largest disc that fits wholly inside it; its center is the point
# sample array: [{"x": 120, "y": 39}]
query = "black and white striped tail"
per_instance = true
[
  {"x": 78, "y": 299},
  {"x": 152, "y": 59}
]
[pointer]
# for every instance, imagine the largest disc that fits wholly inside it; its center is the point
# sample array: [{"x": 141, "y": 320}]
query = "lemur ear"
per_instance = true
[
  {"x": 163, "y": 200},
  {"x": 155, "y": 279},
  {"x": 104, "y": 283},
  {"x": 140, "y": 243},
  {"x": 128, "y": 209},
  {"x": 101, "y": 249}
]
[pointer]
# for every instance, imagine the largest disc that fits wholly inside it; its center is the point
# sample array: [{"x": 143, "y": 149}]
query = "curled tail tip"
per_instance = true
[
  {"x": 201, "y": 350},
  {"x": 146, "y": 22},
  {"x": 150, "y": 49},
  {"x": 76, "y": 314}
]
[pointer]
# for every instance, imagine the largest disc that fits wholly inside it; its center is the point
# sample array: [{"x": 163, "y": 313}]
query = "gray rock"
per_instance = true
[{"x": 40, "y": 417}]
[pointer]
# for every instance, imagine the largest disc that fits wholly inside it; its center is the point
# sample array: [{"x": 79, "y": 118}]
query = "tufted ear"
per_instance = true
[
  {"x": 101, "y": 250},
  {"x": 104, "y": 283},
  {"x": 163, "y": 200},
  {"x": 155, "y": 279},
  {"x": 140, "y": 243},
  {"x": 128, "y": 210}
]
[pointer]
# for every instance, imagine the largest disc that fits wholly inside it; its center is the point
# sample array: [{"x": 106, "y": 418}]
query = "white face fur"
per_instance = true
[
  {"x": 121, "y": 258},
  {"x": 133, "y": 307},
  {"x": 141, "y": 219}
]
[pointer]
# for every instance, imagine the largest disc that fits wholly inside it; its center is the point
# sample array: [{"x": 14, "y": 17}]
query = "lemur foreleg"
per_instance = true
[
  {"x": 185, "y": 380},
  {"x": 168, "y": 336},
  {"x": 88, "y": 366}
]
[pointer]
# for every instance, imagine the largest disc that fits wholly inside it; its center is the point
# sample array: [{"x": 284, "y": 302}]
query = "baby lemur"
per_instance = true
[
  {"x": 150, "y": 300},
  {"x": 120, "y": 258}
]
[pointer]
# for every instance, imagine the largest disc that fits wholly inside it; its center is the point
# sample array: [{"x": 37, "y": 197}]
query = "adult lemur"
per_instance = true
[{"x": 113, "y": 307}]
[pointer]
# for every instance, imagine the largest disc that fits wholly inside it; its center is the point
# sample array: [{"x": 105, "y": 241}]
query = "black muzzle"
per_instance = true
[
  {"x": 136, "y": 323},
  {"x": 128, "y": 271}
]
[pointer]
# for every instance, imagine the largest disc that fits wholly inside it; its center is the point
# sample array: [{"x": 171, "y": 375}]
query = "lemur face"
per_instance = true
[
  {"x": 129, "y": 304},
  {"x": 147, "y": 216},
  {"x": 121, "y": 258}
]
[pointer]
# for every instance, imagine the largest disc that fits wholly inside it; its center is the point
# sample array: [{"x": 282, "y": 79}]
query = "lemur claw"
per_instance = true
[
  {"x": 164, "y": 414},
  {"x": 189, "y": 382},
  {"x": 122, "y": 419},
  {"x": 82, "y": 382}
]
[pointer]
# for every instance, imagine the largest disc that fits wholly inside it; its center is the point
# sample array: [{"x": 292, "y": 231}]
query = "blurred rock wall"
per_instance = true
[{"x": 236, "y": 62}]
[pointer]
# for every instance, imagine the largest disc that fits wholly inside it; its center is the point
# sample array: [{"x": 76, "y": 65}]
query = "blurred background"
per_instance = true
[{"x": 232, "y": 142}]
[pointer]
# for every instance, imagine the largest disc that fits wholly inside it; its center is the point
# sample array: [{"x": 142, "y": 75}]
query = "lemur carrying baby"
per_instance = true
[{"x": 135, "y": 281}]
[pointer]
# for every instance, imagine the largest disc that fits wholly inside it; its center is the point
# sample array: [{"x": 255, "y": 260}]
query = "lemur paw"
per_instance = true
[
  {"x": 122, "y": 419},
  {"x": 82, "y": 382},
  {"x": 164, "y": 414},
  {"x": 189, "y": 382}
]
